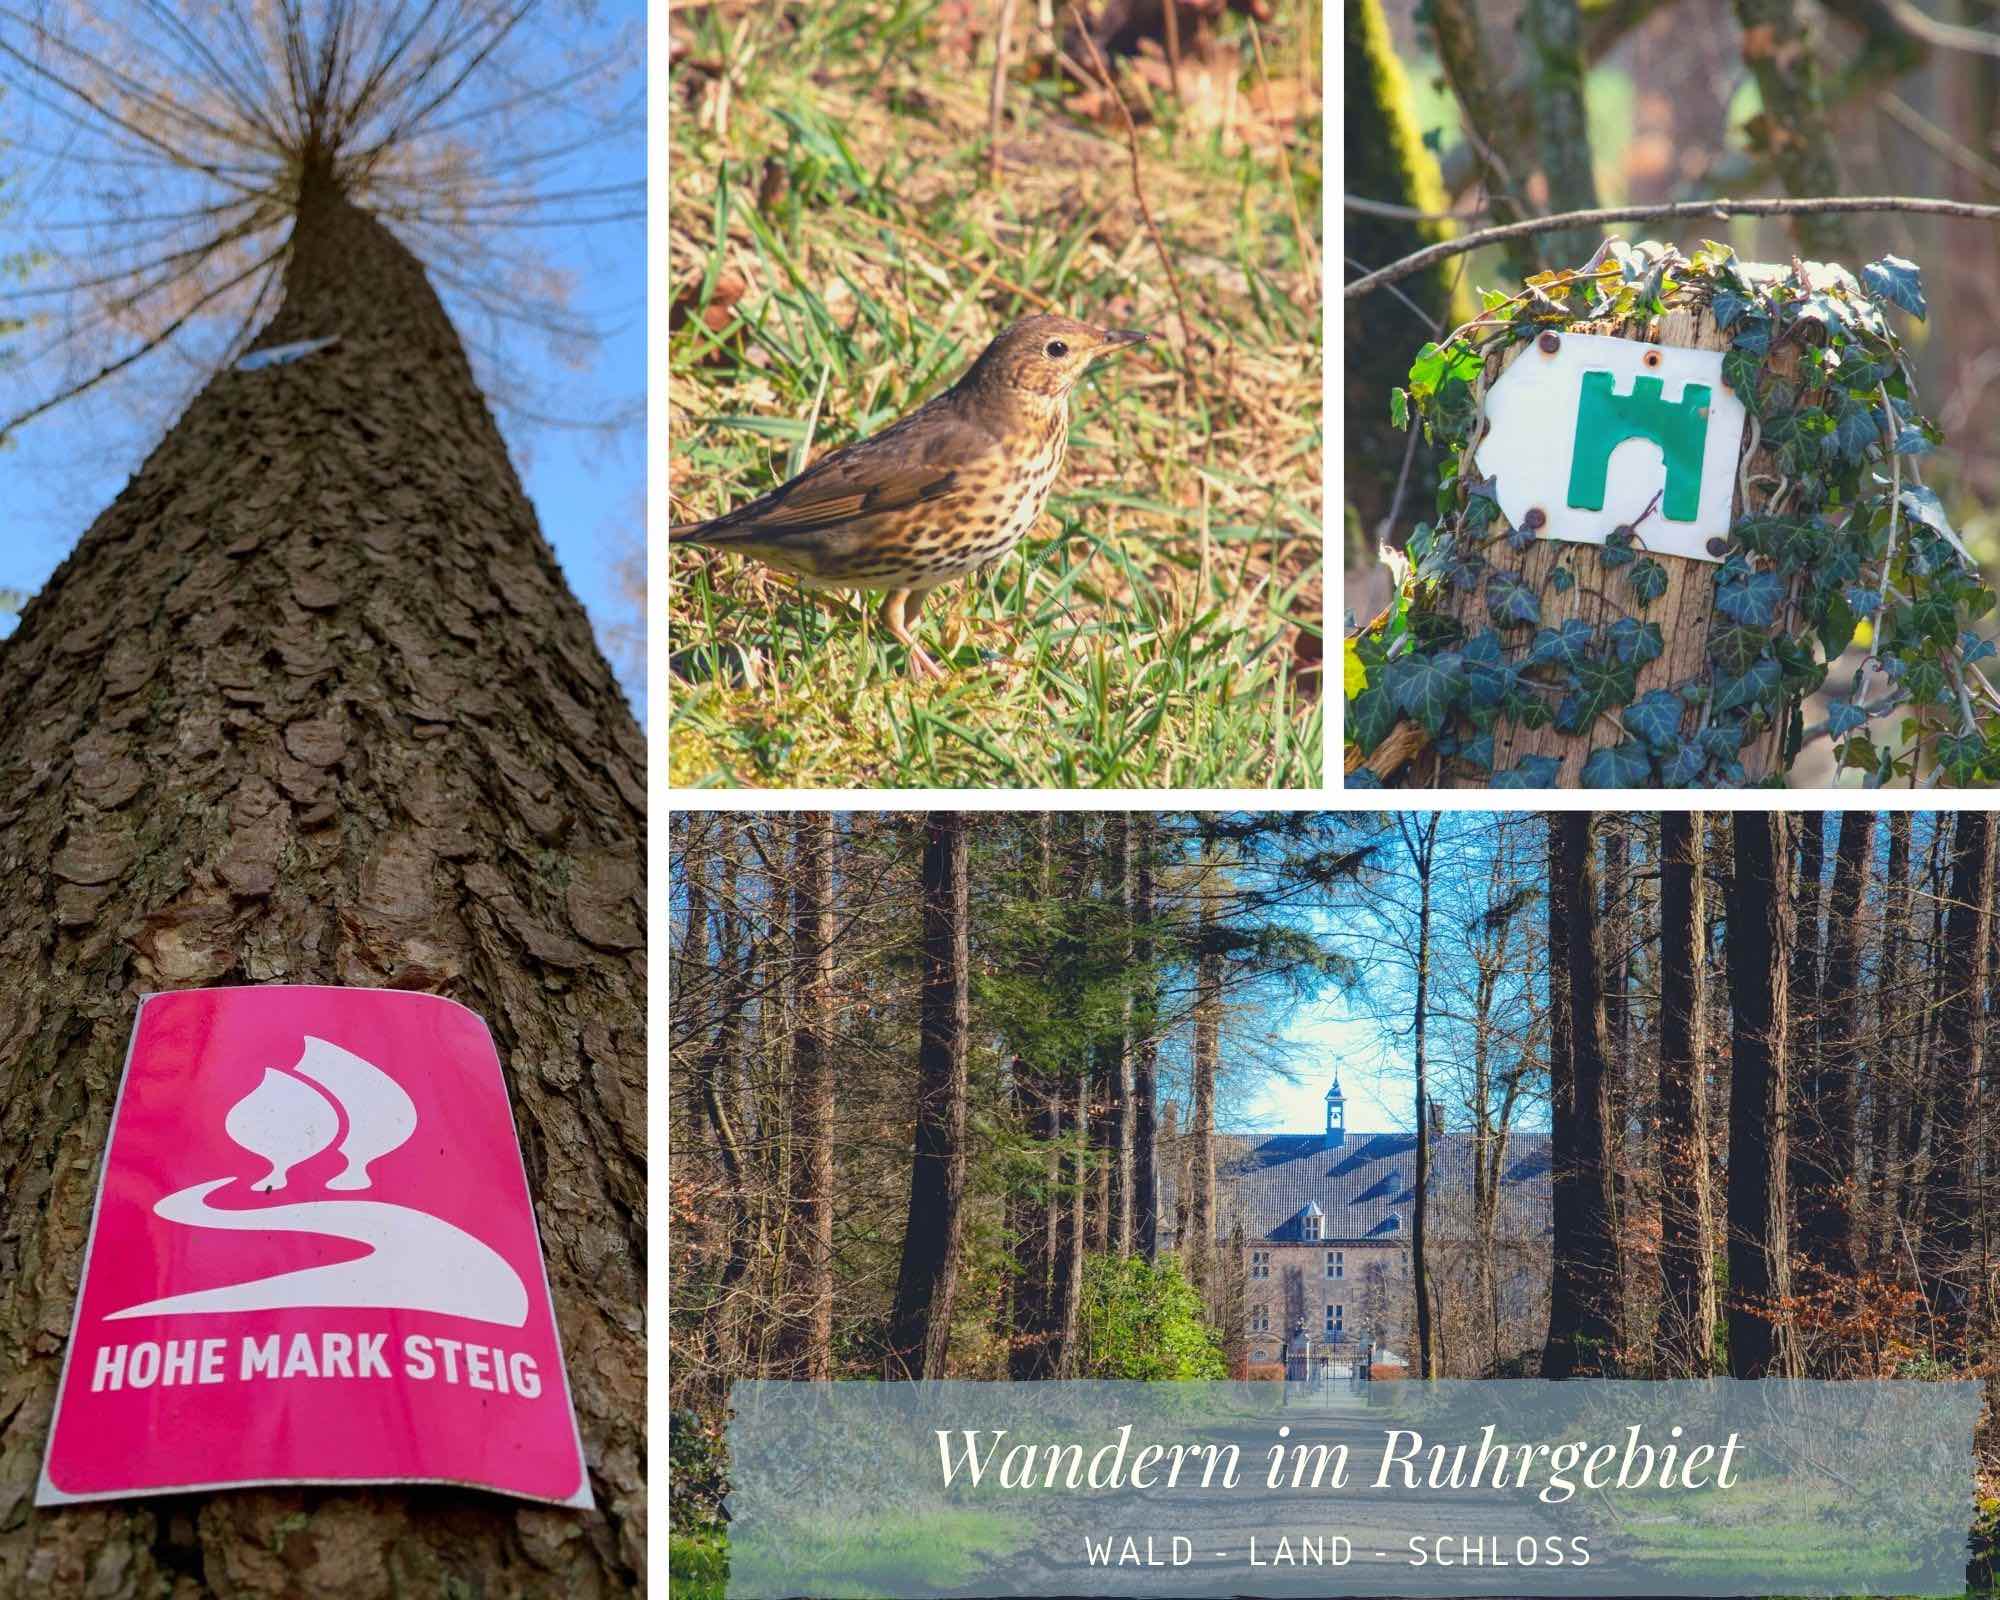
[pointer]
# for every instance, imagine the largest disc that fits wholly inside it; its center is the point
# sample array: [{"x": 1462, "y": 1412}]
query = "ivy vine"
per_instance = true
[{"x": 1838, "y": 541}]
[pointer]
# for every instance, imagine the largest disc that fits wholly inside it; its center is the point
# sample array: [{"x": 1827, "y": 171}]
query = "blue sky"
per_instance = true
[{"x": 588, "y": 486}]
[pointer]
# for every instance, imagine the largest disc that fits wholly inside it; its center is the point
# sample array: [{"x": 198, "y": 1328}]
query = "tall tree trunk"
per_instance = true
[
  {"x": 1562, "y": 125},
  {"x": 1791, "y": 129},
  {"x": 1948, "y": 1208},
  {"x": 1802, "y": 1022},
  {"x": 1885, "y": 1075},
  {"x": 920, "y": 1323},
  {"x": 311, "y": 702},
  {"x": 1421, "y": 838},
  {"x": 1584, "y": 1310},
  {"x": 1826, "y": 1132},
  {"x": 1028, "y": 1233},
  {"x": 1199, "y": 1249},
  {"x": 806, "y": 1346},
  {"x": 1686, "y": 1338},
  {"x": 1759, "y": 952},
  {"x": 1145, "y": 1048},
  {"x": 1118, "y": 1116}
]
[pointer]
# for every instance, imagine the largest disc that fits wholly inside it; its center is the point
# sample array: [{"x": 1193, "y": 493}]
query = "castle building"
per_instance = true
[{"x": 1325, "y": 1220}]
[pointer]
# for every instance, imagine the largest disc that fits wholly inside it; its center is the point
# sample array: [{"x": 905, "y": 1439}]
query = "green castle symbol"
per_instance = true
[{"x": 1605, "y": 420}]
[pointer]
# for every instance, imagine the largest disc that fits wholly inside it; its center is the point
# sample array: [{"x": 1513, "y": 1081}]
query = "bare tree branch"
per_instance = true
[{"x": 1714, "y": 210}]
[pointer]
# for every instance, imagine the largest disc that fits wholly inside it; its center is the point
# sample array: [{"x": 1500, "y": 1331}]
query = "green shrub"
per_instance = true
[{"x": 1141, "y": 1321}]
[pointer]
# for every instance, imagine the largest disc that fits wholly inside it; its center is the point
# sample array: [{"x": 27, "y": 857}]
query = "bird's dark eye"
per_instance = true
[{"x": 1058, "y": 349}]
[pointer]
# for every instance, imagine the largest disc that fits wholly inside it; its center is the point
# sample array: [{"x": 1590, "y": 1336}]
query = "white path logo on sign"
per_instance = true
[
  {"x": 1598, "y": 433},
  {"x": 415, "y": 1261}
]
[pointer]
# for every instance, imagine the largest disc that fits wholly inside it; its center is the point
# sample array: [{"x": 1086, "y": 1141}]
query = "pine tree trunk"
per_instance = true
[
  {"x": 1803, "y": 1015},
  {"x": 1948, "y": 1209},
  {"x": 1759, "y": 935},
  {"x": 1584, "y": 1299},
  {"x": 1884, "y": 1078},
  {"x": 1118, "y": 1116},
  {"x": 1686, "y": 1340},
  {"x": 1420, "y": 1273},
  {"x": 1199, "y": 1248},
  {"x": 1827, "y": 1131},
  {"x": 310, "y": 702},
  {"x": 806, "y": 1345},
  {"x": 1145, "y": 1050},
  {"x": 920, "y": 1325}
]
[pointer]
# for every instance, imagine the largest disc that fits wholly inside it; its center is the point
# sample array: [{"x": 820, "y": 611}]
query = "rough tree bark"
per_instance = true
[
  {"x": 1826, "y": 1131},
  {"x": 920, "y": 1324},
  {"x": 1792, "y": 130},
  {"x": 1562, "y": 126},
  {"x": 1948, "y": 1197},
  {"x": 806, "y": 1345},
  {"x": 1145, "y": 1048},
  {"x": 1686, "y": 1339},
  {"x": 1584, "y": 1312},
  {"x": 1802, "y": 1021},
  {"x": 310, "y": 702},
  {"x": 1198, "y": 1250},
  {"x": 1883, "y": 1071},
  {"x": 1420, "y": 838},
  {"x": 1759, "y": 939}
]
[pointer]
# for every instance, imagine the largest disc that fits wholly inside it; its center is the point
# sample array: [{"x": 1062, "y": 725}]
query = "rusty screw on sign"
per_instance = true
[
  {"x": 1535, "y": 518},
  {"x": 1549, "y": 343},
  {"x": 1717, "y": 545}
]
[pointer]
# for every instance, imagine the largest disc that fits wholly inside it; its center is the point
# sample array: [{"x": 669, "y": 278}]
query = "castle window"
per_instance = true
[
  {"x": 1260, "y": 1263},
  {"x": 1260, "y": 1319},
  {"x": 1336, "y": 1264},
  {"x": 1335, "y": 1318},
  {"x": 1312, "y": 1224}
]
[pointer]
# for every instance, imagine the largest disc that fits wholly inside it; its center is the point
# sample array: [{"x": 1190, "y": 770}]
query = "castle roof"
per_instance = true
[{"x": 1364, "y": 1188}]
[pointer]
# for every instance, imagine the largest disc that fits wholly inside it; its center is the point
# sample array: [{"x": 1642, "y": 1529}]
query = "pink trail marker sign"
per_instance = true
[{"x": 313, "y": 1260}]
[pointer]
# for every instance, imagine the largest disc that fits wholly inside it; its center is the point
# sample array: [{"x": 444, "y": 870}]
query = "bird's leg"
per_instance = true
[{"x": 897, "y": 619}]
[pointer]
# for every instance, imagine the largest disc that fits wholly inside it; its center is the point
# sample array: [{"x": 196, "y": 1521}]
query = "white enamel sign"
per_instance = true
[{"x": 1597, "y": 433}]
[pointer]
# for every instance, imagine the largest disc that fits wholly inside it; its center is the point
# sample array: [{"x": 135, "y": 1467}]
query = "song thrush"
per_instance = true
[{"x": 950, "y": 487}]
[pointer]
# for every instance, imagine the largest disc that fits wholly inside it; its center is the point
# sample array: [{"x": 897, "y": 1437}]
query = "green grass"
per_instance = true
[
  {"x": 698, "y": 1565},
  {"x": 836, "y": 258}
]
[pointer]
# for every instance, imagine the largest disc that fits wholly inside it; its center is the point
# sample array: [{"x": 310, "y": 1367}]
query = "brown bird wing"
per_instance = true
[{"x": 915, "y": 461}]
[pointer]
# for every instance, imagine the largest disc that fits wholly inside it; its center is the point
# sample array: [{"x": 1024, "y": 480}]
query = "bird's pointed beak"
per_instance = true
[{"x": 1117, "y": 338}]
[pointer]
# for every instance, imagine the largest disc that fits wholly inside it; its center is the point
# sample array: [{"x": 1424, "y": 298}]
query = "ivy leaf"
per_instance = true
[
  {"x": 1619, "y": 766},
  {"x": 1864, "y": 602},
  {"x": 1721, "y": 740},
  {"x": 1478, "y": 751},
  {"x": 1423, "y": 687},
  {"x": 1960, "y": 756},
  {"x": 1728, "y": 306},
  {"x": 1636, "y": 642},
  {"x": 1530, "y": 772},
  {"x": 1899, "y": 282},
  {"x": 1913, "y": 442},
  {"x": 1681, "y": 769},
  {"x": 1563, "y": 579},
  {"x": 1740, "y": 371},
  {"x": 1754, "y": 336},
  {"x": 1753, "y": 602},
  {"x": 1563, "y": 647},
  {"x": 1844, "y": 716},
  {"x": 1648, "y": 581},
  {"x": 1600, "y": 686},
  {"x": 1488, "y": 680},
  {"x": 1972, "y": 648},
  {"x": 1750, "y": 688},
  {"x": 1399, "y": 409},
  {"x": 1361, "y": 778},
  {"x": 1510, "y": 602},
  {"x": 1925, "y": 683},
  {"x": 1370, "y": 717},
  {"x": 1733, "y": 648},
  {"x": 1617, "y": 551},
  {"x": 1656, "y": 718},
  {"x": 1520, "y": 538},
  {"x": 1854, "y": 431},
  {"x": 1935, "y": 617},
  {"x": 1924, "y": 504}
]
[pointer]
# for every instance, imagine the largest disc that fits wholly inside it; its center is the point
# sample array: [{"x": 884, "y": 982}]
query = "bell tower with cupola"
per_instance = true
[{"x": 1336, "y": 1116}]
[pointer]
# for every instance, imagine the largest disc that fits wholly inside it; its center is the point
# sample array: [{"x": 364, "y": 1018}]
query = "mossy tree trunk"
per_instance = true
[
  {"x": 1562, "y": 124},
  {"x": 1386, "y": 161},
  {"x": 310, "y": 703}
]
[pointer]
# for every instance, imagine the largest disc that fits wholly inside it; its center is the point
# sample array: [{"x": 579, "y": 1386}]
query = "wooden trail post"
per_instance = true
[{"x": 1598, "y": 593}]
